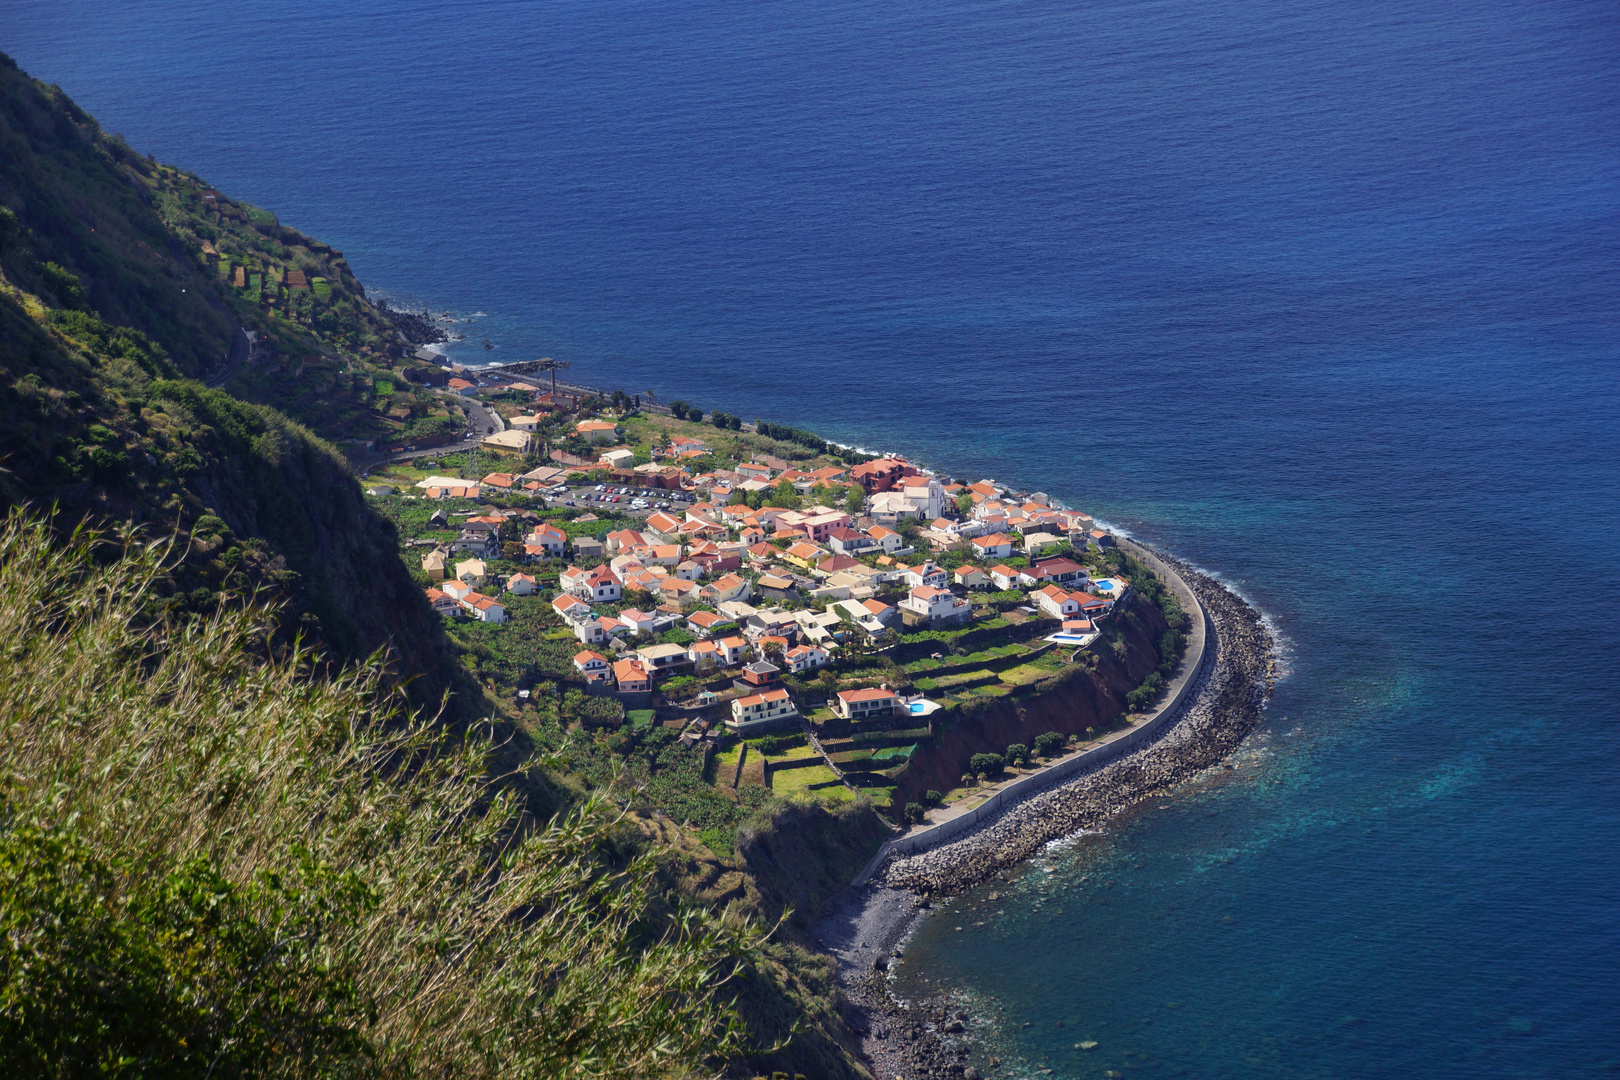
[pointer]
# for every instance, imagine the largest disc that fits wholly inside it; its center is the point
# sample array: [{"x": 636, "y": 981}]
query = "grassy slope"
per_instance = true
[{"x": 105, "y": 309}]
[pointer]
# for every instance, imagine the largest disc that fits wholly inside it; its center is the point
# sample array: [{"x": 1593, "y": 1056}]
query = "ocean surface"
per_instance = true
[{"x": 1324, "y": 297}]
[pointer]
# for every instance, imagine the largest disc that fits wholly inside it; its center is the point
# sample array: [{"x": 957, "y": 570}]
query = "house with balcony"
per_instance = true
[
  {"x": 444, "y": 603},
  {"x": 803, "y": 658},
  {"x": 934, "y": 607},
  {"x": 870, "y": 704},
  {"x": 593, "y": 666},
  {"x": 597, "y": 585},
  {"x": 764, "y": 711},
  {"x": 661, "y": 661}
]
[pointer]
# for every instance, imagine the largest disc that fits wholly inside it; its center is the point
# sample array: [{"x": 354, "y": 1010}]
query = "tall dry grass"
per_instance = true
[{"x": 479, "y": 943}]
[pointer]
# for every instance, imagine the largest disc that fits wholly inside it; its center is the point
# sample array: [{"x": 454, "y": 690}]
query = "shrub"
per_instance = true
[
  {"x": 932, "y": 797},
  {"x": 1050, "y": 744},
  {"x": 985, "y": 764},
  {"x": 1147, "y": 693}
]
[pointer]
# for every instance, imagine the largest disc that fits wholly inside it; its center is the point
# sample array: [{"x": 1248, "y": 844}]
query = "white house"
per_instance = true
[
  {"x": 521, "y": 585},
  {"x": 724, "y": 589},
  {"x": 592, "y": 666},
  {"x": 705, "y": 655},
  {"x": 1005, "y": 577},
  {"x": 936, "y": 605},
  {"x": 483, "y": 608},
  {"x": 927, "y": 573},
  {"x": 618, "y": 459},
  {"x": 805, "y": 658},
  {"x": 996, "y": 546},
  {"x": 589, "y": 631},
  {"x": 444, "y": 604},
  {"x": 887, "y": 539},
  {"x": 873, "y": 616},
  {"x": 848, "y": 541},
  {"x": 732, "y": 650},
  {"x": 551, "y": 541},
  {"x": 1065, "y": 572},
  {"x": 761, "y": 711},
  {"x": 597, "y": 585},
  {"x": 1056, "y": 602},
  {"x": 866, "y": 704},
  {"x": 638, "y": 621},
  {"x": 971, "y": 577}
]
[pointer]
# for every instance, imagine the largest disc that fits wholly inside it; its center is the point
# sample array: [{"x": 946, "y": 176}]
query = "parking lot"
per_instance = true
[{"x": 619, "y": 498}]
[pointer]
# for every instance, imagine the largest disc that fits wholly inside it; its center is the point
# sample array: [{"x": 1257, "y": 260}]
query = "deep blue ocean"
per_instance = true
[{"x": 1324, "y": 297}]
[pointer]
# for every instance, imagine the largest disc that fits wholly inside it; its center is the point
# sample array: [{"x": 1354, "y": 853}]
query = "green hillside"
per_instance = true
[{"x": 247, "y": 820}]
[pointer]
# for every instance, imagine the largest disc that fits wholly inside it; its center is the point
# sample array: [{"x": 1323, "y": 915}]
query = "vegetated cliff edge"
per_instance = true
[{"x": 101, "y": 320}]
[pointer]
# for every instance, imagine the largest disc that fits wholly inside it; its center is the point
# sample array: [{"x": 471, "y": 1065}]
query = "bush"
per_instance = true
[
  {"x": 1146, "y": 694},
  {"x": 1050, "y": 744},
  {"x": 985, "y": 765},
  {"x": 932, "y": 797}
]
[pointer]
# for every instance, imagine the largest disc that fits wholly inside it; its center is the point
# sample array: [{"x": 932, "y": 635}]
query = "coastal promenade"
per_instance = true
[{"x": 953, "y": 821}]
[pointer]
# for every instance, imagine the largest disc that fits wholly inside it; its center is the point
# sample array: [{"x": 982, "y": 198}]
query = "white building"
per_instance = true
[{"x": 759, "y": 712}]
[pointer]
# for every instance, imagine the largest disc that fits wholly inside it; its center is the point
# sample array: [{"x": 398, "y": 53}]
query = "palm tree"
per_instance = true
[{"x": 652, "y": 399}]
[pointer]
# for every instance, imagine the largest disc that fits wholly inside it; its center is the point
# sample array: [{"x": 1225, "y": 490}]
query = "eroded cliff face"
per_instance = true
[
  {"x": 1085, "y": 699},
  {"x": 807, "y": 853}
]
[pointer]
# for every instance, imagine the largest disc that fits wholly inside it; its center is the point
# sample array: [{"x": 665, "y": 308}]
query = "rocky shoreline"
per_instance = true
[{"x": 919, "y": 1039}]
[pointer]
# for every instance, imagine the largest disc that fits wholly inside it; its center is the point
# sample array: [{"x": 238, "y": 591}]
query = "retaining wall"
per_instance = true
[{"x": 1201, "y": 646}]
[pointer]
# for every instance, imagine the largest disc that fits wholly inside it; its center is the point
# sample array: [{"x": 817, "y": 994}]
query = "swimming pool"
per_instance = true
[{"x": 1104, "y": 584}]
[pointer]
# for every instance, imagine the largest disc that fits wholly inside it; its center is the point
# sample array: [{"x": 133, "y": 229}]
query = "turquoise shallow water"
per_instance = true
[{"x": 1322, "y": 297}]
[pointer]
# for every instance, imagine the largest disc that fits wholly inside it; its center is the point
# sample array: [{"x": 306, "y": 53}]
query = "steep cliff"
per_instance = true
[{"x": 102, "y": 316}]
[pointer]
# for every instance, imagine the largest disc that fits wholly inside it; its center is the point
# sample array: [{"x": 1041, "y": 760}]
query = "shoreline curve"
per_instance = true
[{"x": 1214, "y": 710}]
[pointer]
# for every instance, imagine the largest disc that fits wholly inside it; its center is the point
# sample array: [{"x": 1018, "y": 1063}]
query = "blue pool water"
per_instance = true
[{"x": 1322, "y": 296}]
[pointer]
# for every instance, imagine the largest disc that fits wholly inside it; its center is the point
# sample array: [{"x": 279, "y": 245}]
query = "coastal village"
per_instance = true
[{"x": 801, "y": 615}]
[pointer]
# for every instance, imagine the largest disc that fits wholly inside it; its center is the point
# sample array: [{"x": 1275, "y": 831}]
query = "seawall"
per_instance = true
[{"x": 1202, "y": 644}]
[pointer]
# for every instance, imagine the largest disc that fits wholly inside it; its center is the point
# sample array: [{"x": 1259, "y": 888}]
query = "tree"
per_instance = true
[
  {"x": 914, "y": 813},
  {"x": 1050, "y": 744},
  {"x": 964, "y": 503},
  {"x": 785, "y": 496},
  {"x": 652, "y": 398},
  {"x": 678, "y": 409},
  {"x": 720, "y": 420},
  {"x": 932, "y": 797},
  {"x": 1017, "y": 754},
  {"x": 513, "y": 550},
  {"x": 985, "y": 765},
  {"x": 854, "y": 500}
]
